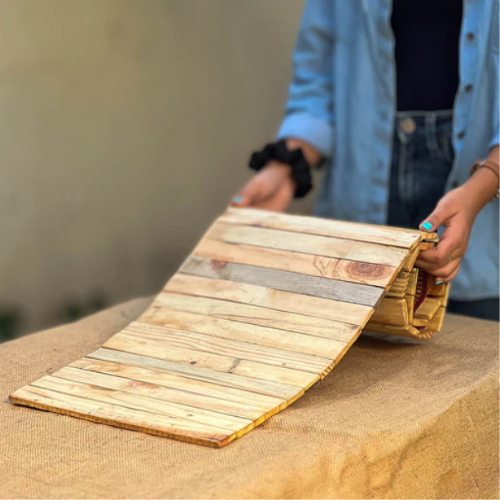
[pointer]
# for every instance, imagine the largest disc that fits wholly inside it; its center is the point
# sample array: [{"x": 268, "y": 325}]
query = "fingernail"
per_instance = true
[
  {"x": 237, "y": 199},
  {"x": 439, "y": 282},
  {"x": 427, "y": 226}
]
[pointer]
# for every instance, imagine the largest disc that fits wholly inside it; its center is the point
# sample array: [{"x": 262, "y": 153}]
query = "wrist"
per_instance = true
[{"x": 479, "y": 190}]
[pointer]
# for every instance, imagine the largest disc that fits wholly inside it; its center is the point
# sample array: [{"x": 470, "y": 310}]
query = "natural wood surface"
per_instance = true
[{"x": 265, "y": 306}]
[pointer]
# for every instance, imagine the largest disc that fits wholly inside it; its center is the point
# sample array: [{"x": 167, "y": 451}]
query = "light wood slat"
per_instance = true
[
  {"x": 269, "y": 298},
  {"x": 309, "y": 244},
  {"x": 168, "y": 394},
  {"x": 410, "y": 261},
  {"x": 307, "y": 225},
  {"x": 254, "y": 334},
  {"x": 179, "y": 381},
  {"x": 410, "y": 305},
  {"x": 419, "y": 322},
  {"x": 412, "y": 282},
  {"x": 119, "y": 416},
  {"x": 175, "y": 411},
  {"x": 436, "y": 322},
  {"x": 391, "y": 312},
  {"x": 435, "y": 290},
  {"x": 148, "y": 344},
  {"x": 193, "y": 372},
  {"x": 285, "y": 281},
  {"x": 234, "y": 348},
  {"x": 254, "y": 315},
  {"x": 400, "y": 331},
  {"x": 428, "y": 308},
  {"x": 313, "y": 265}
]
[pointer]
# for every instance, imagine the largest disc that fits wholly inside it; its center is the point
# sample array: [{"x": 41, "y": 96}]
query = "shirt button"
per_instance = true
[
  {"x": 455, "y": 184},
  {"x": 461, "y": 135},
  {"x": 470, "y": 36},
  {"x": 468, "y": 88}
]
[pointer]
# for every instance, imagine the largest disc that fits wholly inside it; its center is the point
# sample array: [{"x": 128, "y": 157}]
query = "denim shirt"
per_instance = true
[{"x": 342, "y": 100}]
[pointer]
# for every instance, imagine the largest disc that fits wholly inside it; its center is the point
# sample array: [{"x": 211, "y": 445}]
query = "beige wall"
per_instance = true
[{"x": 125, "y": 126}]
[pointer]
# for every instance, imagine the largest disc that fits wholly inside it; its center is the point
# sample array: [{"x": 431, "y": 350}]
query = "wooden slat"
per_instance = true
[
  {"x": 234, "y": 348},
  {"x": 253, "y": 334},
  {"x": 180, "y": 412},
  {"x": 410, "y": 260},
  {"x": 284, "y": 280},
  {"x": 313, "y": 265},
  {"x": 401, "y": 331},
  {"x": 307, "y": 225},
  {"x": 391, "y": 312},
  {"x": 168, "y": 394},
  {"x": 231, "y": 380},
  {"x": 428, "y": 308},
  {"x": 309, "y": 244},
  {"x": 254, "y": 315},
  {"x": 436, "y": 322},
  {"x": 148, "y": 344},
  {"x": 269, "y": 298},
  {"x": 112, "y": 414},
  {"x": 412, "y": 282},
  {"x": 174, "y": 380}
]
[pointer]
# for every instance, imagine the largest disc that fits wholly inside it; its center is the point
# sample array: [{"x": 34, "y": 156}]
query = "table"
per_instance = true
[{"x": 398, "y": 418}]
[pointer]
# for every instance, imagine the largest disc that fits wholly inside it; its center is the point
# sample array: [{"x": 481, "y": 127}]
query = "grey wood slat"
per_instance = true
[{"x": 286, "y": 281}]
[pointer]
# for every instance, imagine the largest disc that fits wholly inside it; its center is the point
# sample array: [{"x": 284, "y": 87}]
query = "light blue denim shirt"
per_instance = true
[{"x": 343, "y": 101}]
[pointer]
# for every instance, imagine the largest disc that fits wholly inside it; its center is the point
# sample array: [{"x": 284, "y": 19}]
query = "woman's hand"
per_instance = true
[
  {"x": 457, "y": 215},
  {"x": 457, "y": 212},
  {"x": 271, "y": 189}
]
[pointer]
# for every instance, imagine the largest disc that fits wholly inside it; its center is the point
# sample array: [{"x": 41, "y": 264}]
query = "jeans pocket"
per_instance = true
[{"x": 446, "y": 148}]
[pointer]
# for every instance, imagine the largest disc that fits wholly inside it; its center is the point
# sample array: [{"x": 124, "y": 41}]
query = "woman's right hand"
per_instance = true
[{"x": 270, "y": 189}]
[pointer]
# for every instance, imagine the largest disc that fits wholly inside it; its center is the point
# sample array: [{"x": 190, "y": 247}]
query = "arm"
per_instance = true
[
  {"x": 457, "y": 212},
  {"x": 308, "y": 119}
]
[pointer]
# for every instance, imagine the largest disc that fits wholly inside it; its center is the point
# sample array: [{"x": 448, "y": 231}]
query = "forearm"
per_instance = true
[{"x": 483, "y": 184}]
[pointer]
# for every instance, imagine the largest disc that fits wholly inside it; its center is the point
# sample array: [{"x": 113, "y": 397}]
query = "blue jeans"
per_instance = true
[{"x": 422, "y": 159}]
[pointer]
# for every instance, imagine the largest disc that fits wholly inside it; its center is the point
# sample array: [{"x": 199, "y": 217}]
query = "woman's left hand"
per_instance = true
[{"x": 456, "y": 212}]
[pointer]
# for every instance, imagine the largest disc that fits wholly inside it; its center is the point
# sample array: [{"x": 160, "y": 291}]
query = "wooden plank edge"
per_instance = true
[{"x": 177, "y": 435}]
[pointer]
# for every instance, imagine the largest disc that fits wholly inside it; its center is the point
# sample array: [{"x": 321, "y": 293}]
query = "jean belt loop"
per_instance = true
[
  {"x": 431, "y": 132},
  {"x": 401, "y": 117}
]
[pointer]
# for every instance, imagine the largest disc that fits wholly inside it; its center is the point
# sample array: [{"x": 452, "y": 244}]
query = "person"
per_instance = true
[{"x": 397, "y": 104}]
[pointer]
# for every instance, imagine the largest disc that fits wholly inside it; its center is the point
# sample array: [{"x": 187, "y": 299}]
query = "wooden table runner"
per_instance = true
[{"x": 265, "y": 306}]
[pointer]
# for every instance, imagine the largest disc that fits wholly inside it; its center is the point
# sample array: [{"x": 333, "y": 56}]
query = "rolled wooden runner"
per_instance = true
[{"x": 265, "y": 306}]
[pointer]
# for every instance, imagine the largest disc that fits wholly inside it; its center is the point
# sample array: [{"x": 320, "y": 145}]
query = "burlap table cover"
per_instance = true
[{"x": 398, "y": 418}]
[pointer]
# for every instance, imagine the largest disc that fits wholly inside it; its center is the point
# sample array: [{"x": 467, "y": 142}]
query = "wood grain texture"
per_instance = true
[
  {"x": 245, "y": 332},
  {"x": 386, "y": 236},
  {"x": 312, "y": 265},
  {"x": 119, "y": 416},
  {"x": 193, "y": 372},
  {"x": 266, "y": 305},
  {"x": 310, "y": 244},
  {"x": 270, "y": 298},
  {"x": 149, "y": 344},
  {"x": 254, "y": 315},
  {"x": 285, "y": 281}
]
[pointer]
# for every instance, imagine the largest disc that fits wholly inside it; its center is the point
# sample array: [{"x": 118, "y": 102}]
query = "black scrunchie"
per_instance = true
[{"x": 278, "y": 151}]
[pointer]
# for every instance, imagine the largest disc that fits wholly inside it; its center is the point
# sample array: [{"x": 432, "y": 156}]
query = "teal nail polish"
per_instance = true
[
  {"x": 427, "y": 226},
  {"x": 237, "y": 199},
  {"x": 440, "y": 282}
]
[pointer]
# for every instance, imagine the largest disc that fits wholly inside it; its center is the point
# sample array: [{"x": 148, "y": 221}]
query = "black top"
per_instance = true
[{"x": 427, "y": 36}]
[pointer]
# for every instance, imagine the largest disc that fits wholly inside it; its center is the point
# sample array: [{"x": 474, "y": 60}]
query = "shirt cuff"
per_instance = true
[{"x": 311, "y": 129}]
